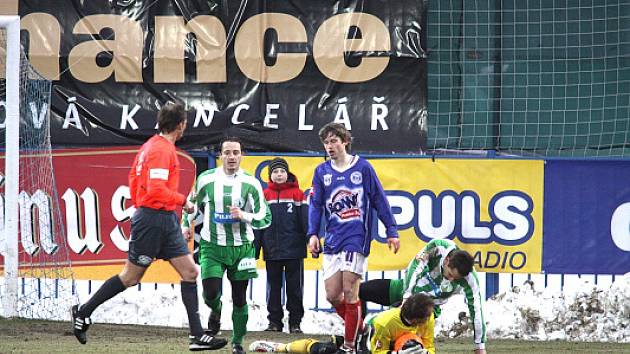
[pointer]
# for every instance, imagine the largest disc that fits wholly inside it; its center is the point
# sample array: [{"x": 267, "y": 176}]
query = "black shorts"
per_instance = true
[{"x": 155, "y": 234}]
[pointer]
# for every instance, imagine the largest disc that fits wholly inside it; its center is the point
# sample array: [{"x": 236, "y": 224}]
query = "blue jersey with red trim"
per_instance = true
[{"x": 346, "y": 198}]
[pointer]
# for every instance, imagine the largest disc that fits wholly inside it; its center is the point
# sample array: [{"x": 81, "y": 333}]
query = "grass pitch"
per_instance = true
[{"x": 34, "y": 336}]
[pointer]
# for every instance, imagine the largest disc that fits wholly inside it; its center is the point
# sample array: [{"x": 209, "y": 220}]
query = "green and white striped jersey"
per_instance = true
[
  {"x": 215, "y": 192},
  {"x": 424, "y": 275}
]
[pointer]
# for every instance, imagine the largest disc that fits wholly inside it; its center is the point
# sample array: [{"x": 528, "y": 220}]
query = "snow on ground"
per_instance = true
[{"x": 582, "y": 312}]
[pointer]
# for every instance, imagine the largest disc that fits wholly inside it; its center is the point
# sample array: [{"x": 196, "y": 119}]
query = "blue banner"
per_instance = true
[{"x": 586, "y": 217}]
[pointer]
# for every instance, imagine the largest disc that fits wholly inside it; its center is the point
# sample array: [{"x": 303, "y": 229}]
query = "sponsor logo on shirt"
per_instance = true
[
  {"x": 327, "y": 180},
  {"x": 356, "y": 177},
  {"x": 345, "y": 204},
  {"x": 223, "y": 218}
]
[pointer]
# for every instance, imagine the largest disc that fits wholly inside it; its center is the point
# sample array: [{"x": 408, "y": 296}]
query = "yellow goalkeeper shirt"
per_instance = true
[{"x": 388, "y": 326}]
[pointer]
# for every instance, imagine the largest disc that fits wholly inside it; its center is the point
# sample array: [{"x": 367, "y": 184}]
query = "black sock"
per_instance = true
[
  {"x": 108, "y": 290},
  {"x": 191, "y": 302}
]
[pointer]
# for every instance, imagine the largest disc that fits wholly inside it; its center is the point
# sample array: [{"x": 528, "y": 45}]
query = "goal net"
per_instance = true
[
  {"x": 542, "y": 78},
  {"x": 32, "y": 236}
]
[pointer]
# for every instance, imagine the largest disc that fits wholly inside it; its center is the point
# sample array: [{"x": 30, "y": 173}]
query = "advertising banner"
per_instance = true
[
  {"x": 270, "y": 72},
  {"x": 491, "y": 208},
  {"x": 587, "y": 217},
  {"x": 95, "y": 212}
]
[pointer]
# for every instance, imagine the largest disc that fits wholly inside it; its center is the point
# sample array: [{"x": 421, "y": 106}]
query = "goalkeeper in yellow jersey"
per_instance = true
[{"x": 378, "y": 335}]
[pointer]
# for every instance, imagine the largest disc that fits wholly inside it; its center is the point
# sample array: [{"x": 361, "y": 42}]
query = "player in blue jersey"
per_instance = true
[{"x": 345, "y": 190}]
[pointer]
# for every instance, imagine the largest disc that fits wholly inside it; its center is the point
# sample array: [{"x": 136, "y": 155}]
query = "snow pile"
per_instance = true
[{"x": 583, "y": 312}]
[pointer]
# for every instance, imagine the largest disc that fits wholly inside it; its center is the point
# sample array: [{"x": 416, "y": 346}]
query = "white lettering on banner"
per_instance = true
[
  {"x": 342, "y": 115},
  {"x": 470, "y": 217},
  {"x": 302, "y": 119},
  {"x": 72, "y": 115},
  {"x": 237, "y": 113},
  {"x": 36, "y": 215},
  {"x": 206, "y": 115},
  {"x": 379, "y": 112},
  {"x": 91, "y": 240},
  {"x": 620, "y": 227},
  {"x": 121, "y": 214},
  {"x": 39, "y": 201},
  {"x": 26, "y": 224},
  {"x": 269, "y": 115},
  {"x": 38, "y": 117},
  {"x": 426, "y": 217},
  {"x": 514, "y": 226},
  {"x": 451, "y": 214},
  {"x": 127, "y": 117},
  {"x": 202, "y": 116}
]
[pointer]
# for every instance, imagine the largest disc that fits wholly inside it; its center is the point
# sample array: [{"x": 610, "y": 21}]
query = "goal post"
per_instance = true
[
  {"x": 36, "y": 279},
  {"x": 11, "y": 27}
]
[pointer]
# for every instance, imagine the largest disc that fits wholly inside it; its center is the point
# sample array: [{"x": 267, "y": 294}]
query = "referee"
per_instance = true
[{"x": 155, "y": 229}]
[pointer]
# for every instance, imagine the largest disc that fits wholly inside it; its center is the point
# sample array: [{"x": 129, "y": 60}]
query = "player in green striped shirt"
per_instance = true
[
  {"x": 439, "y": 270},
  {"x": 233, "y": 205}
]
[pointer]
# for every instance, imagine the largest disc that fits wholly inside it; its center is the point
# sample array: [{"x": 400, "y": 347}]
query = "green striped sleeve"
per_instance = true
[
  {"x": 470, "y": 284},
  {"x": 260, "y": 215},
  {"x": 186, "y": 218},
  {"x": 411, "y": 268}
]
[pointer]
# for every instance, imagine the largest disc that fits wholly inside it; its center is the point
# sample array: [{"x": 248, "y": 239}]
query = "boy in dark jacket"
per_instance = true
[{"x": 284, "y": 245}]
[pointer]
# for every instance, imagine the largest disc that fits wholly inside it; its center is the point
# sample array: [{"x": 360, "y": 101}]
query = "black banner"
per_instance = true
[{"x": 271, "y": 72}]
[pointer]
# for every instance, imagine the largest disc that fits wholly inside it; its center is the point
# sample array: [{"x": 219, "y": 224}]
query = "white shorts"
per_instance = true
[{"x": 344, "y": 261}]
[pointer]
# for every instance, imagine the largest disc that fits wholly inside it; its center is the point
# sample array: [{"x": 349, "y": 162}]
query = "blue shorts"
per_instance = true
[{"x": 155, "y": 234}]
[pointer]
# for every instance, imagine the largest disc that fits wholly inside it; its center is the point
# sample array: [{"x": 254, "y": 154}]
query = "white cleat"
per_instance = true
[{"x": 261, "y": 346}]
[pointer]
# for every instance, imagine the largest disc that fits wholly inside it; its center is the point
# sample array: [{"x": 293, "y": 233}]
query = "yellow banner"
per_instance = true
[{"x": 491, "y": 208}]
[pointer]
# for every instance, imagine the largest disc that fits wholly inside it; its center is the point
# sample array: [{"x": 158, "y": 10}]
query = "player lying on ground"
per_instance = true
[
  {"x": 379, "y": 333},
  {"x": 439, "y": 270}
]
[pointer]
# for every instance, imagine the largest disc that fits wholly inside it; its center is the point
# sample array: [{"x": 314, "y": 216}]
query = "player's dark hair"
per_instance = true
[
  {"x": 336, "y": 129},
  {"x": 170, "y": 116},
  {"x": 462, "y": 261},
  {"x": 418, "y": 306},
  {"x": 231, "y": 139}
]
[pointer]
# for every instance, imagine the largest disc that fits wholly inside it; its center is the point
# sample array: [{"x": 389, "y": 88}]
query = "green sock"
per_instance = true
[
  {"x": 214, "y": 304},
  {"x": 239, "y": 322}
]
